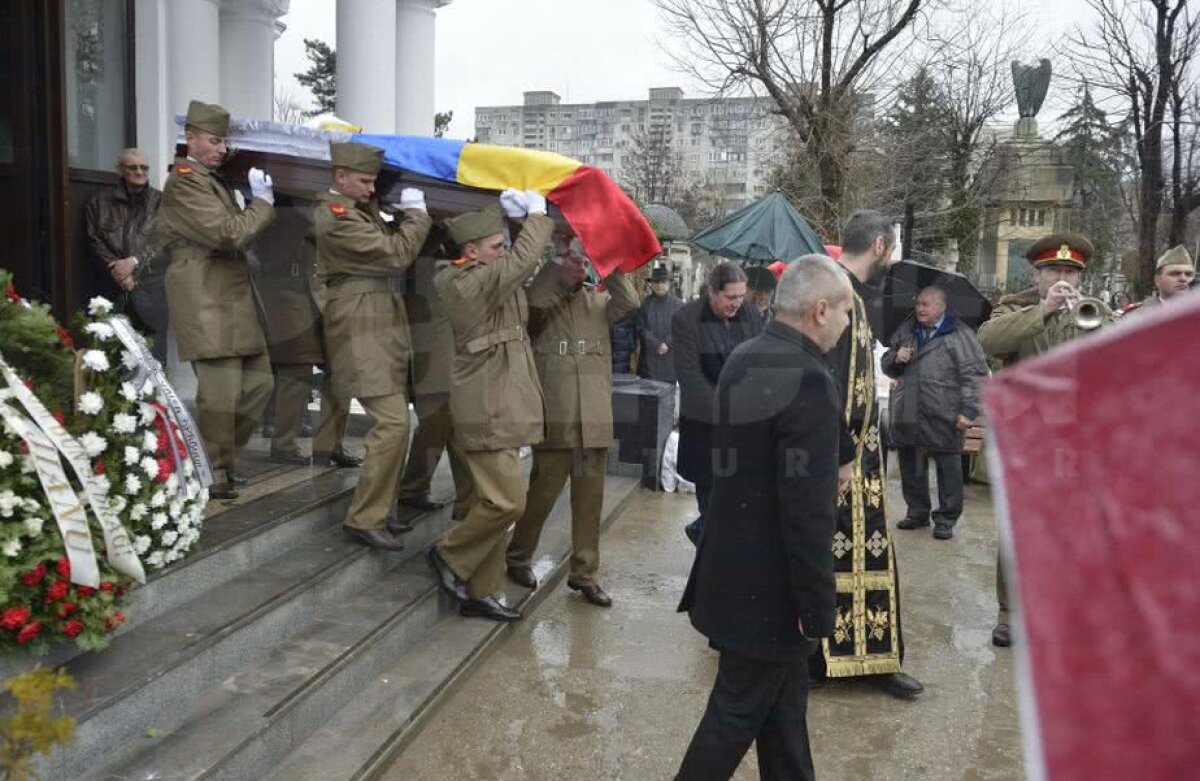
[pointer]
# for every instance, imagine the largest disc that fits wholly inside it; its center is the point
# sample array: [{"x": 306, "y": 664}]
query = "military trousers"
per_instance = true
[
  {"x": 475, "y": 547},
  {"x": 293, "y": 384},
  {"x": 433, "y": 436},
  {"x": 385, "y": 447},
  {"x": 585, "y": 467},
  {"x": 231, "y": 394},
  {"x": 1002, "y": 601}
]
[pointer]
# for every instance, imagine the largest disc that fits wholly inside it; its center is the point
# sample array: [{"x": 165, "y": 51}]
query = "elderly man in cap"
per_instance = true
[
  {"x": 1174, "y": 273},
  {"x": 654, "y": 328},
  {"x": 366, "y": 332},
  {"x": 214, "y": 309},
  {"x": 569, "y": 324},
  {"x": 1031, "y": 322},
  {"x": 495, "y": 397}
]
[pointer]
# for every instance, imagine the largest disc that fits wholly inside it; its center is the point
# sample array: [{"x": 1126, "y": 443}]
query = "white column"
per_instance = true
[
  {"x": 248, "y": 56},
  {"x": 366, "y": 64},
  {"x": 415, "y": 27},
  {"x": 193, "y": 52},
  {"x": 155, "y": 131}
]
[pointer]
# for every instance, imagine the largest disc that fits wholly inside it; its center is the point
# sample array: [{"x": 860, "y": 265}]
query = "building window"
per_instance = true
[{"x": 95, "y": 69}]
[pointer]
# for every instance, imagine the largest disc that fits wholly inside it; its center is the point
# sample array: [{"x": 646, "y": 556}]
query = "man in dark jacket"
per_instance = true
[
  {"x": 117, "y": 223},
  {"x": 762, "y": 586},
  {"x": 654, "y": 328},
  {"x": 706, "y": 331},
  {"x": 939, "y": 364}
]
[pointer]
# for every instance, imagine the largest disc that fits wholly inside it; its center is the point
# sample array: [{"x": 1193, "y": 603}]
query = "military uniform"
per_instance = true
[
  {"x": 1018, "y": 329},
  {"x": 365, "y": 328},
  {"x": 495, "y": 397},
  {"x": 570, "y": 333},
  {"x": 1176, "y": 256},
  {"x": 214, "y": 309}
]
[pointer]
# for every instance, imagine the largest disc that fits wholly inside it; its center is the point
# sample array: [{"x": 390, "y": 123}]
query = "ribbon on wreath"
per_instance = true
[
  {"x": 148, "y": 369},
  {"x": 40, "y": 423}
]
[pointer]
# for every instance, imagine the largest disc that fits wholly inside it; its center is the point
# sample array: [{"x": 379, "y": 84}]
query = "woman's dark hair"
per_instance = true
[{"x": 725, "y": 273}]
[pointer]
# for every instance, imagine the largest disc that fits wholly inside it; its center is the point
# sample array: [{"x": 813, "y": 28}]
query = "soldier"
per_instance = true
[
  {"x": 366, "y": 333},
  {"x": 495, "y": 397},
  {"x": 1030, "y": 323},
  {"x": 1173, "y": 274},
  {"x": 569, "y": 326},
  {"x": 214, "y": 308}
]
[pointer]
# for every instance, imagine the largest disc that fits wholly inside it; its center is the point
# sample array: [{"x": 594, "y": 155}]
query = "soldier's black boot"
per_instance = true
[{"x": 1002, "y": 636}]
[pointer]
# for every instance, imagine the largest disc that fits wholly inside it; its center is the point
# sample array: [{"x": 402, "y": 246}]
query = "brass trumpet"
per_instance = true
[{"x": 1088, "y": 313}]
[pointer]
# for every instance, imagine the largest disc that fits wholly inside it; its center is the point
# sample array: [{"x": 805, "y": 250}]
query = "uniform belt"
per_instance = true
[
  {"x": 487, "y": 341},
  {"x": 358, "y": 285},
  {"x": 573, "y": 347}
]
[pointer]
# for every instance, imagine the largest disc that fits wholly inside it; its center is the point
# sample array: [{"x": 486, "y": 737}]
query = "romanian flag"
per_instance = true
[{"x": 612, "y": 229}]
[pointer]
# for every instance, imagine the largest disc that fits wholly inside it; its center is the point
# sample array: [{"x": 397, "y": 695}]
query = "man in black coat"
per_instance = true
[
  {"x": 706, "y": 331},
  {"x": 762, "y": 586},
  {"x": 654, "y": 328}
]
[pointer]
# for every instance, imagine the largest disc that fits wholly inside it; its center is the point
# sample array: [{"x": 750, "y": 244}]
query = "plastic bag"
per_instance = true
[{"x": 670, "y": 479}]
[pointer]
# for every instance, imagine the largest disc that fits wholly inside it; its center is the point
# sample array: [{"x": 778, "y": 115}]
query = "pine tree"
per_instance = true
[
  {"x": 321, "y": 76},
  {"x": 918, "y": 160}
]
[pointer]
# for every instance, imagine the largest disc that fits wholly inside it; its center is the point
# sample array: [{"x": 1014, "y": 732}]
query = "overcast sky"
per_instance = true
[{"x": 491, "y": 51}]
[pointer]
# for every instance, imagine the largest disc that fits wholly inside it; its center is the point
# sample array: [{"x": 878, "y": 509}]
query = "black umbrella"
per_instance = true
[{"x": 907, "y": 278}]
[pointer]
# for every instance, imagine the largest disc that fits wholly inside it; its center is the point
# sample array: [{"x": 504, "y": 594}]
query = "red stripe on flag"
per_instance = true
[{"x": 612, "y": 229}]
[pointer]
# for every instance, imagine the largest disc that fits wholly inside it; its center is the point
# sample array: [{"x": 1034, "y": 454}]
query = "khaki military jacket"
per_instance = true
[
  {"x": 432, "y": 334},
  {"x": 292, "y": 289},
  {"x": 215, "y": 312},
  {"x": 361, "y": 257},
  {"x": 573, "y": 353},
  {"x": 495, "y": 397},
  {"x": 1017, "y": 329}
]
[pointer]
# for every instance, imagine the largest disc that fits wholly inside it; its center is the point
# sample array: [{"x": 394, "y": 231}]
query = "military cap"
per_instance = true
[
  {"x": 1061, "y": 249},
  {"x": 363, "y": 158},
  {"x": 473, "y": 226},
  {"x": 1176, "y": 256},
  {"x": 660, "y": 274},
  {"x": 208, "y": 117}
]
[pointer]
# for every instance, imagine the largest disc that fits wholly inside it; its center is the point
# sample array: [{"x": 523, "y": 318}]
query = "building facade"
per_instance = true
[{"x": 723, "y": 143}]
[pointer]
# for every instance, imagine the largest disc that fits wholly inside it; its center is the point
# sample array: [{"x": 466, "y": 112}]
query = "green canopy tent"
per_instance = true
[{"x": 766, "y": 230}]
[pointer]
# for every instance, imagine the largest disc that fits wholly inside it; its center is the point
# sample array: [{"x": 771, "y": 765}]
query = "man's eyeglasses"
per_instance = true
[{"x": 142, "y": 168}]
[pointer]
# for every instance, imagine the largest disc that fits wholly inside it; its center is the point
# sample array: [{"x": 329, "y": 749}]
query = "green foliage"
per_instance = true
[
  {"x": 34, "y": 346},
  {"x": 441, "y": 123},
  {"x": 321, "y": 76},
  {"x": 31, "y": 728}
]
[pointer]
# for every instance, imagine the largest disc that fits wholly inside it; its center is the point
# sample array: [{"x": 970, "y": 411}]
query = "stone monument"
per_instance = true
[{"x": 1031, "y": 84}]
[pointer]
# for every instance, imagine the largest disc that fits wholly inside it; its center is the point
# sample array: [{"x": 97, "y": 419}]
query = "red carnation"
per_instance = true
[
  {"x": 12, "y": 294},
  {"x": 28, "y": 383},
  {"x": 165, "y": 469},
  {"x": 114, "y": 620},
  {"x": 61, "y": 417},
  {"x": 105, "y": 586},
  {"x": 85, "y": 591},
  {"x": 58, "y": 589},
  {"x": 34, "y": 576},
  {"x": 101, "y": 467},
  {"x": 66, "y": 609},
  {"x": 14, "y": 617},
  {"x": 163, "y": 442},
  {"x": 23, "y": 447},
  {"x": 73, "y": 628},
  {"x": 64, "y": 336},
  {"x": 63, "y": 567},
  {"x": 29, "y": 632}
]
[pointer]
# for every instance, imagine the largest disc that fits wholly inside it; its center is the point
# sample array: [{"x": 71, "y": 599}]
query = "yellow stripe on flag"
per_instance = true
[{"x": 501, "y": 167}]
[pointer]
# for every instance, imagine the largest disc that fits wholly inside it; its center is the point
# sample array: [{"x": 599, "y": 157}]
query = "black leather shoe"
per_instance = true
[
  {"x": 912, "y": 523},
  {"x": 900, "y": 685},
  {"x": 235, "y": 477},
  {"x": 522, "y": 576},
  {"x": 424, "y": 503},
  {"x": 592, "y": 593},
  {"x": 222, "y": 491},
  {"x": 376, "y": 538},
  {"x": 451, "y": 583},
  {"x": 1002, "y": 636},
  {"x": 490, "y": 608},
  {"x": 943, "y": 533},
  {"x": 268, "y": 431},
  {"x": 292, "y": 457},
  {"x": 340, "y": 460},
  {"x": 397, "y": 526}
]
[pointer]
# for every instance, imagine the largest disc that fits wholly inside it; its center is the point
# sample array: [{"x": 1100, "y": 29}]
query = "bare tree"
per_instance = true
[
  {"x": 1185, "y": 161},
  {"x": 652, "y": 170},
  {"x": 286, "y": 109},
  {"x": 814, "y": 58},
  {"x": 1138, "y": 55}
]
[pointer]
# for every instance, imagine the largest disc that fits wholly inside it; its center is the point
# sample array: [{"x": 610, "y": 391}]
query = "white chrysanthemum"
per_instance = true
[
  {"x": 8, "y": 503},
  {"x": 189, "y": 468},
  {"x": 158, "y": 500},
  {"x": 129, "y": 360},
  {"x": 150, "y": 442},
  {"x": 132, "y": 456},
  {"x": 31, "y": 506},
  {"x": 138, "y": 512},
  {"x": 142, "y": 544},
  {"x": 150, "y": 467},
  {"x": 124, "y": 423},
  {"x": 99, "y": 306},
  {"x": 148, "y": 388},
  {"x": 169, "y": 538},
  {"x": 91, "y": 403},
  {"x": 93, "y": 444},
  {"x": 157, "y": 559},
  {"x": 128, "y": 392},
  {"x": 102, "y": 331},
  {"x": 33, "y": 526},
  {"x": 158, "y": 521},
  {"x": 148, "y": 414},
  {"x": 12, "y": 548},
  {"x": 132, "y": 484},
  {"x": 95, "y": 360},
  {"x": 118, "y": 504},
  {"x": 6, "y": 459},
  {"x": 173, "y": 556},
  {"x": 175, "y": 509}
]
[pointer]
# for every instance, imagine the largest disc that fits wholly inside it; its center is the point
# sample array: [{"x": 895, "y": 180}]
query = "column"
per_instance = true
[
  {"x": 155, "y": 128},
  {"x": 415, "y": 29},
  {"x": 366, "y": 64},
  {"x": 193, "y": 53},
  {"x": 248, "y": 56}
]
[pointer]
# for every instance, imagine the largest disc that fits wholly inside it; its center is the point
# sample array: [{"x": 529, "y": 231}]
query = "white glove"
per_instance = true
[
  {"x": 535, "y": 202},
  {"x": 411, "y": 198},
  {"x": 514, "y": 204},
  {"x": 261, "y": 185}
]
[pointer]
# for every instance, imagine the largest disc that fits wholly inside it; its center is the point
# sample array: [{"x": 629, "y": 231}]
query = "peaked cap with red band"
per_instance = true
[{"x": 1061, "y": 249}]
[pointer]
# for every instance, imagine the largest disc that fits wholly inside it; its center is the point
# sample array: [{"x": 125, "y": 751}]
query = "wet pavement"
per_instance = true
[{"x": 584, "y": 693}]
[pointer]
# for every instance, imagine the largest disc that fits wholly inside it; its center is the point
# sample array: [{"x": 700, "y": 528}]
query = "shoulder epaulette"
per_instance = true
[
  {"x": 338, "y": 210},
  {"x": 464, "y": 263},
  {"x": 184, "y": 169}
]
